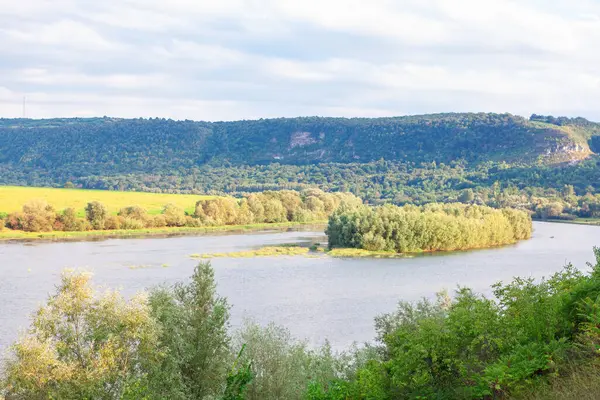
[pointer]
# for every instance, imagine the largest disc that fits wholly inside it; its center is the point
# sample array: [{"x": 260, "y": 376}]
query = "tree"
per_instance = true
[
  {"x": 69, "y": 221},
  {"x": 467, "y": 196},
  {"x": 96, "y": 213},
  {"x": 84, "y": 345},
  {"x": 195, "y": 322}
]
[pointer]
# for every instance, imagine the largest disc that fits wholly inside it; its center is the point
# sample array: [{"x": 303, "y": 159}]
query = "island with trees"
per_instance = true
[{"x": 434, "y": 227}]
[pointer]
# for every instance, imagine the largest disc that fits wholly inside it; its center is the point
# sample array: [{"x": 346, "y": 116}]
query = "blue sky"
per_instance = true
[{"x": 241, "y": 59}]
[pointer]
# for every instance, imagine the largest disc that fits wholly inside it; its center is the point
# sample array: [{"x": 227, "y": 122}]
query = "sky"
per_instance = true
[{"x": 246, "y": 59}]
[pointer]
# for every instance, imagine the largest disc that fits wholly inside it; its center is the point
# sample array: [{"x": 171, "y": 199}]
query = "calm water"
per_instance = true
[{"x": 316, "y": 298}]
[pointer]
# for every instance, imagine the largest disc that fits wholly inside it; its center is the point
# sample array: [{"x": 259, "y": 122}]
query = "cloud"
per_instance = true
[{"x": 232, "y": 59}]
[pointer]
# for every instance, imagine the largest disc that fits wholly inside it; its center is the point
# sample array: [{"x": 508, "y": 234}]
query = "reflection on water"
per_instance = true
[{"x": 316, "y": 298}]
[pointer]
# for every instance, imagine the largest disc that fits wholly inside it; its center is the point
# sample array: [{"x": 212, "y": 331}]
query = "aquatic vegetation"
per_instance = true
[
  {"x": 268, "y": 251},
  {"x": 139, "y": 266},
  {"x": 358, "y": 253}
]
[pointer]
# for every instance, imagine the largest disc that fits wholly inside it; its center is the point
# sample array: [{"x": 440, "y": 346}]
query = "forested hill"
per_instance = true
[
  {"x": 108, "y": 145},
  {"x": 424, "y": 155}
]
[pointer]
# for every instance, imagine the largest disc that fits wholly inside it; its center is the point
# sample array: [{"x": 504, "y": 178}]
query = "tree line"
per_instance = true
[
  {"x": 433, "y": 227},
  {"x": 174, "y": 342},
  {"x": 267, "y": 207}
]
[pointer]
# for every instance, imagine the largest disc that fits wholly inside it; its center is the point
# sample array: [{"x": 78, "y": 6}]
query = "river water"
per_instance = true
[{"x": 316, "y": 298}]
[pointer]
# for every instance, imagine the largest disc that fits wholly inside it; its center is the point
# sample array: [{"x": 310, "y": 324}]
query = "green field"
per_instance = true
[{"x": 12, "y": 199}]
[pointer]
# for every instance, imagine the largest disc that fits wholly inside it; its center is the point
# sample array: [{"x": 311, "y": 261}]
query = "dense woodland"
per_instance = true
[
  {"x": 503, "y": 160},
  {"x": 257, "y": 208},
  {"x": 434, "y": 227},
  {"x": 530, "y": 341}
]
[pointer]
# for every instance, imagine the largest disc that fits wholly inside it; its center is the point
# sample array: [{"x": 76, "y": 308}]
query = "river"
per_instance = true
[{"x": 316, "y": 298}]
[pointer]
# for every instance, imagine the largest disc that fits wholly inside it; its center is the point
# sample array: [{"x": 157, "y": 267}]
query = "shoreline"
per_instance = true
[
  {"x": 578, "y": 221},
  {"x": 9, "y": 235}
]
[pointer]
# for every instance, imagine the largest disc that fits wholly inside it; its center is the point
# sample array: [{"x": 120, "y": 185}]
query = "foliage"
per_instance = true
[
  {"x": 96, "y": 214},
  {"x": 407, "y": 159},
  {"x": 194, "y": 324},
  {"x": 258, "y": 208},
  {"x": 533, "y": 339},
  {"x": 429, "y": 228},
  {"x": 85, "y": 345}
]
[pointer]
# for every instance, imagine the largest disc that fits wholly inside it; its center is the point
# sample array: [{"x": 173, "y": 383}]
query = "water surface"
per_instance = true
[{"x": 316, "y": 298}]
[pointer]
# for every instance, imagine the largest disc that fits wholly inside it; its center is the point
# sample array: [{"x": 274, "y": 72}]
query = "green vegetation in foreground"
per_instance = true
[
  {"x": 533, "y": 340},
  {"x": 434, "y": 227}
]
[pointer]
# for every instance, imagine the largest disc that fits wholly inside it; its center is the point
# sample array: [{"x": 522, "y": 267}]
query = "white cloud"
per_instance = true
[
  {"x": 231, "y": 59},
  {"x": 63, "y": 33}
]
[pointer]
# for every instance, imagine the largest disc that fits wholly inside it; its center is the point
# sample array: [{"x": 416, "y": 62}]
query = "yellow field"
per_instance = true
[{"x": 12, "y": 199}]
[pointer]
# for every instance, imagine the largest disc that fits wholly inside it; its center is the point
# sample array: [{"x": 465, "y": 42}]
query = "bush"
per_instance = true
[
  {"x": 113, "y": 222},
  {"x": 68, "y": 220},
  {"x": 132, "y": 223},
  {"x": 96, "y": 213},
  {"x": 38, "y": 216},
  {"x": 158, "y": 221},
  {"x": 174, "y": 216}
]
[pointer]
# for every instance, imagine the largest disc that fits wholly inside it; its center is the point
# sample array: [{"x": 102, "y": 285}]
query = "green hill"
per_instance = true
[{"x": 167, "y": 155}]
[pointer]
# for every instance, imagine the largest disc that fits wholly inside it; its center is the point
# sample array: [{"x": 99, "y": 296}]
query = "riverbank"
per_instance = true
[
  {"x": 577, "y": 221},
  {"x": 12, "y": 235}
]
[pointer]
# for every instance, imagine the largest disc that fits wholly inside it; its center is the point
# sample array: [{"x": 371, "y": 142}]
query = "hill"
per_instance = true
[{"x": 429, "y": 152}]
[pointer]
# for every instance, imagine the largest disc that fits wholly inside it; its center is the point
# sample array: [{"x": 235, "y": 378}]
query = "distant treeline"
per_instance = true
[
  {"x": 434, "y": 227},
  {"x": 258, "y": 208}
]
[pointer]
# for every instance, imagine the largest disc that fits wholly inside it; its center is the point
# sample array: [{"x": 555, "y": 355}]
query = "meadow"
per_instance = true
[{"x": 12, "y": 199}]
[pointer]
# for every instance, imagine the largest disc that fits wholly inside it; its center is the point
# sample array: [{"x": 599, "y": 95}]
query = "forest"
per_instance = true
[
  {"x": 544, "y": 164},
  {"x": 434, "y": 227},
  {"x": 267, "y": 207},
  {"x": 533, "y": 340},
  {"x": 378, "y": 159}
]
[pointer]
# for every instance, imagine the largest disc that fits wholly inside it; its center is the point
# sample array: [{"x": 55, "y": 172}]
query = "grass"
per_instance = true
[
  {"x": 268, "y": 251},
  {"x": 9, "y": 234},
  {"x": 12, "y": 199},
  {"x": 358, "y": 253},
  {"x": 577, "y": 221},
  {"x": 296, "y": 250},
  {"x": 577, "y": 383}
]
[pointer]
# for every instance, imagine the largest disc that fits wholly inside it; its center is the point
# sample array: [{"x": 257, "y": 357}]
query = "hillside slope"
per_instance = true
[
  {"x": 116, "y": 143},
  {"x": 85, "y": 151}
]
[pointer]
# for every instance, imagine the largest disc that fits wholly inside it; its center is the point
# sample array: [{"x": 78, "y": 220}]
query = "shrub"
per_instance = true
[
  {"x": 132, "y": 223},
  {"x": 68, "y": 220},
  {"x": 174, "y": 216},
  {"x": 113, "y": 222},
  {"x": 38, "y": 216},
  {"x": 158, "y": 221},
  {"x": 96, "y": 213},
  {"x": 135, "y": 212}
]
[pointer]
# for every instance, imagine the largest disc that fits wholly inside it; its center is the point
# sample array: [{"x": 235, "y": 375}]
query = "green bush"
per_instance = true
[{"x": 96, "y": 213}]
